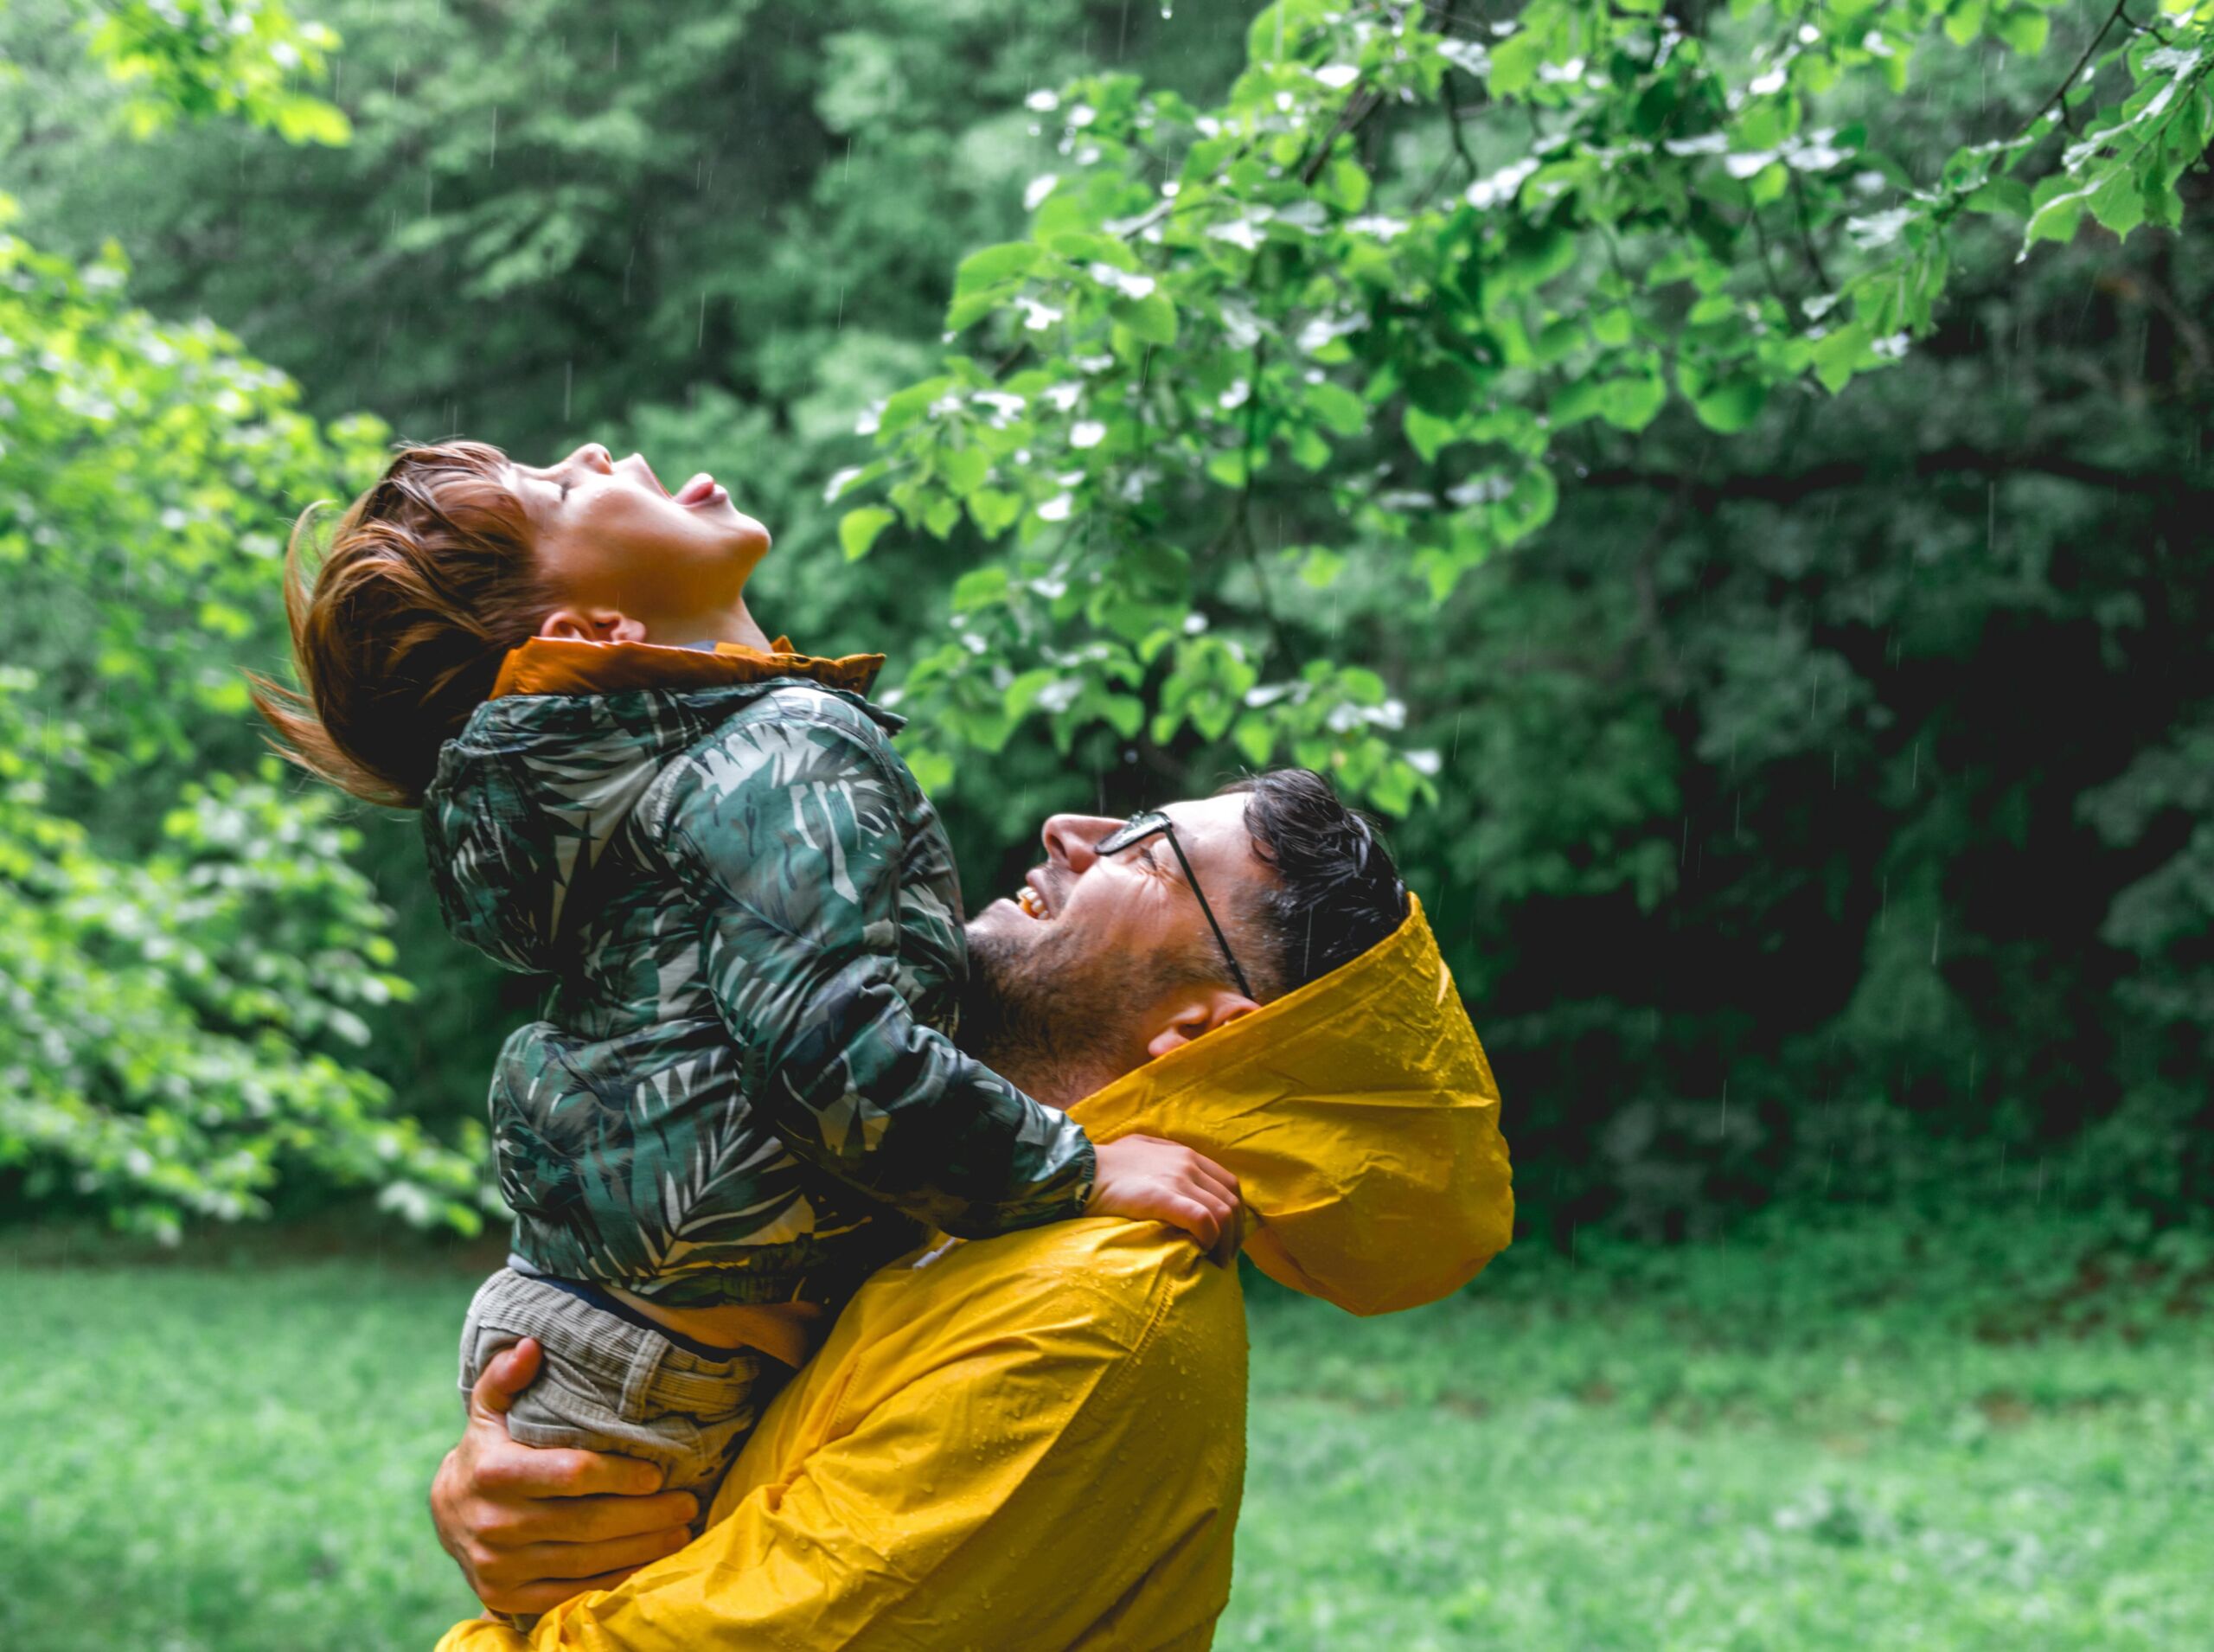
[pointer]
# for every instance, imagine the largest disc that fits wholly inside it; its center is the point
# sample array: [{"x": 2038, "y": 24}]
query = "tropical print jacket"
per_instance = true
[{"x": 743, "y": 1089}]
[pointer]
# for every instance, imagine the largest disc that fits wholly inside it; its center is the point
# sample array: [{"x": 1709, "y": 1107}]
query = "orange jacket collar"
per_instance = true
[{"x": 561, "y": 666}]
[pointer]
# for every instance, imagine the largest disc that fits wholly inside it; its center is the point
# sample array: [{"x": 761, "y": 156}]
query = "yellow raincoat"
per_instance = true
[{"x": 1038, "y": 1441}]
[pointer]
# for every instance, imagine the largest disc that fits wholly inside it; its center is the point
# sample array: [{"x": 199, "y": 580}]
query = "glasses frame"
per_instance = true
[{"x": 1153, "y": 823}]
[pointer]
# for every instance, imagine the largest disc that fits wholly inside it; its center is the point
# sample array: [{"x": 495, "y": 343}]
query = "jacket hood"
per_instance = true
[
  {"x": 1362, "y": 1120},
  {"x": 548, "y": 771}
]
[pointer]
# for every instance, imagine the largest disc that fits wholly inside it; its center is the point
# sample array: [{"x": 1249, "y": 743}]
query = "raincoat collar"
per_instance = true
[
  {"x": 1362, "y": 1120},
  {"x": 551, "y": 665}
]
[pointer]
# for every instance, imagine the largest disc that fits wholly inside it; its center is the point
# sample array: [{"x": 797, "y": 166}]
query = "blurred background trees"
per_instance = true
[{"x": 1812, "y": 790}]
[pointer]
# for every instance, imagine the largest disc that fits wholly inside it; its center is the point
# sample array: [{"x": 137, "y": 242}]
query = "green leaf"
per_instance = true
[
  {"x": 994, "y": 511},
  {"x": 981, "y": 588},
  {"x": 2009, "y": 196},
  {"x": 1534, "y": 258},
  {"x": 964, "y": 468},
  {"x": 1152, "y": 318},
  {"x": 1528, "y": 507},
  {"x": 1426, "y": 433},
  {"x": 1319, "y": 568},
  {"x": 1337, "y": 408},
  {"x": 1514, "y": 63},
  {"x": 1730, "y": 404},
  {"x": 1440, "y": 387},
  {"x": 2119, "y": 203},
  {"x": 941, "y": 515},
  {"x": 1574, "y": 402},
  {"x": 2060, "y": 203},
  {"x": 1255, "y": 740},
  {"x": 1559, "y": 339},
  {"x": 1346, "y": 184},
  {"x": 994, "y": 265},
  {"x": 931, "y": 768},
  {"x": 966, "y": 312},
  {"x": 2024, "y": 30},
  {"x": 1309, "y": 450},
  {"x": 1126, "y": 714},
  {"x": 857, "y": 530},
  {"x": 903, "y": 407},
  {"x": 1841, "y": 354},
  {"x": 1964, "y": 20},
  {"x": 311, "y": 120},
  {"x": 1022, "y": 694},
  {"x": 1633, "y": 402},
  {"x": 1228, "y": 467}
]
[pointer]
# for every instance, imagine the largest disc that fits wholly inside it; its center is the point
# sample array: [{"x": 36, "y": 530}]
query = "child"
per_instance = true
[{"x": 743, "y": 1098}]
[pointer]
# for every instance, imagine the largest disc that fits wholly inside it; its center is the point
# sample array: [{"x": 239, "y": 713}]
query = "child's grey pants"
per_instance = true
[{"x": 609, "y": 1380}]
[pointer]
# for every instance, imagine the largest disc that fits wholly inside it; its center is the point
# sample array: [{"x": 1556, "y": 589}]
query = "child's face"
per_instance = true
[{"x": 614, "y": 541}]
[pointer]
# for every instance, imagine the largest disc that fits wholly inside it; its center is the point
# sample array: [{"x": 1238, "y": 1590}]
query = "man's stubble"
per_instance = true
[{"x": 1046, "y": 1016}]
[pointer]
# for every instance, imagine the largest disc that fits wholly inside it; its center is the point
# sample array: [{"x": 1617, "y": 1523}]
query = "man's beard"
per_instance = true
[{"x": 1045, "y": 1016}]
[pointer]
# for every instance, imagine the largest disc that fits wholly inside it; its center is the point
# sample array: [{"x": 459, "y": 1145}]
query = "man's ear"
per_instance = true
[
  {"x": 1192, "y": 1012},
  {"x": 592, "y": 625}
]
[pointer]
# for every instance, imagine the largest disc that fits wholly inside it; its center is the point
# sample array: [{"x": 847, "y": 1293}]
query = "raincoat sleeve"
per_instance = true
[
  {"x": 792, "y": 831},
  {"x": 1052, "y": 1479}
]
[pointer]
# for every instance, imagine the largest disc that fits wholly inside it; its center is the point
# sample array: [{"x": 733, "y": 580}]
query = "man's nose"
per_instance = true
[{"x": 1069, "y": 838}]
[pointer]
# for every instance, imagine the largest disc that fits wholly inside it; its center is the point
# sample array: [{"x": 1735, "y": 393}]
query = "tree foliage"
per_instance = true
[
  {"x": 1715, "y": 471},
  {"x": 1247, "y": 322},
  {"x": 186, "y": 990}
]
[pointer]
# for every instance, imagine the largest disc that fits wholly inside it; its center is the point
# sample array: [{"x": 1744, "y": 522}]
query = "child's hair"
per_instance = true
[{"x": 428, "y": 581}]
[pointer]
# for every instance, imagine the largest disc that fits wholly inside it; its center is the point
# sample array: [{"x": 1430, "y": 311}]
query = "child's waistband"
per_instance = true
[{"x": 591, "y": 1296}]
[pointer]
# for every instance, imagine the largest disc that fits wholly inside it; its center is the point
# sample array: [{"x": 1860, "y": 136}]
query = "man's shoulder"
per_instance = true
[{"x": 1108, "y": 1287}]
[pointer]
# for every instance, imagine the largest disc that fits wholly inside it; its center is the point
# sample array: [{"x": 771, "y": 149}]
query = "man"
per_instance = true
[{"x": 1038, "y": 1441}]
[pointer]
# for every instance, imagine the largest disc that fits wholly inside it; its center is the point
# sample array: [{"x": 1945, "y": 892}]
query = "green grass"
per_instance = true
[{"x": 1847, "y": 1439}]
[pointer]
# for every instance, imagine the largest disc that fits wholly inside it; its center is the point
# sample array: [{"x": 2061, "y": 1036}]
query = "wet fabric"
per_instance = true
[
  {"x": 1038, "y": 1441},
  {"x": 741, "y": 1089}
]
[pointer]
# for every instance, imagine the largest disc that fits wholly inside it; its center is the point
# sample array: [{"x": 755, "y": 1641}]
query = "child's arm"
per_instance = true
[{"x": 791, "y": 832}]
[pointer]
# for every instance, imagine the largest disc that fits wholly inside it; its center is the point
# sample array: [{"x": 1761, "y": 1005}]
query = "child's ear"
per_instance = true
[
  {"x": 592, "y": 625},
  {"x": 1189, "y": 1014}
]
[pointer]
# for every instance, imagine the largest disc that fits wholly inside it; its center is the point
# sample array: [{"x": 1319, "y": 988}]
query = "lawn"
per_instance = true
[{"x": 1850, "y": 1439}]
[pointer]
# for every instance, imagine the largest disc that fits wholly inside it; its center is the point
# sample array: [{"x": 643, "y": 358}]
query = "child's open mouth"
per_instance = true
[{"x": 701, "y": 489}]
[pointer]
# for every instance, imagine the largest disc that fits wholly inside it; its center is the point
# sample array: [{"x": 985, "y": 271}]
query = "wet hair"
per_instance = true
[
  {"x": 1336, "y": 891},
  {"x": 427, "y": 581}
]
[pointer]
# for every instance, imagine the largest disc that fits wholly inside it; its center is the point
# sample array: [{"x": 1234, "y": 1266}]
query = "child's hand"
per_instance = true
[{"x": 1147, "y": 1179}]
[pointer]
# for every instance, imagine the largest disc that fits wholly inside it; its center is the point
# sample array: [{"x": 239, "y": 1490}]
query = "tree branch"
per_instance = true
[
  {"x": 2114, "y": 17},
  {"x": 1240, "y": 526},
  {"x": 1350, "y": 119},
  {"x": 1807, "y": 232},
  {"x": 1792, "y": 488}
]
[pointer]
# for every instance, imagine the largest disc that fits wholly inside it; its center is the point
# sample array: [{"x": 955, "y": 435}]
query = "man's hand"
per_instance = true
[
  {"x": 530, "y": 1527},
  {"x": 1147, "y": 1179}
]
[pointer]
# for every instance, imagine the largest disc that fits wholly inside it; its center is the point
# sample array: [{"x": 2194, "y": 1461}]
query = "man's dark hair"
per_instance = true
[{"x": 1337, "y": 892}]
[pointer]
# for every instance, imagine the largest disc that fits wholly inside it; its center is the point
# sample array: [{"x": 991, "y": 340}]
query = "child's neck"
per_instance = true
[{"x": 733, "y": 624}]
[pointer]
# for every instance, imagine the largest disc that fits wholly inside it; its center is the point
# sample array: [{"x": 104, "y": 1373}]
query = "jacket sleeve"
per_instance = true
[
  {"x": 791, "y": 832},
  {"x": 1019, "y": 1491}
]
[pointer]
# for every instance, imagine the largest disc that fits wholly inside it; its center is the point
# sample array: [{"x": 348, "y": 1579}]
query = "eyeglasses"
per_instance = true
[{"x": 1154, "y": 823}]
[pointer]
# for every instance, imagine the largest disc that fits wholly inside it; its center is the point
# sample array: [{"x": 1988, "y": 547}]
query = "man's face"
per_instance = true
[{"x": 1071, "y": 985}]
